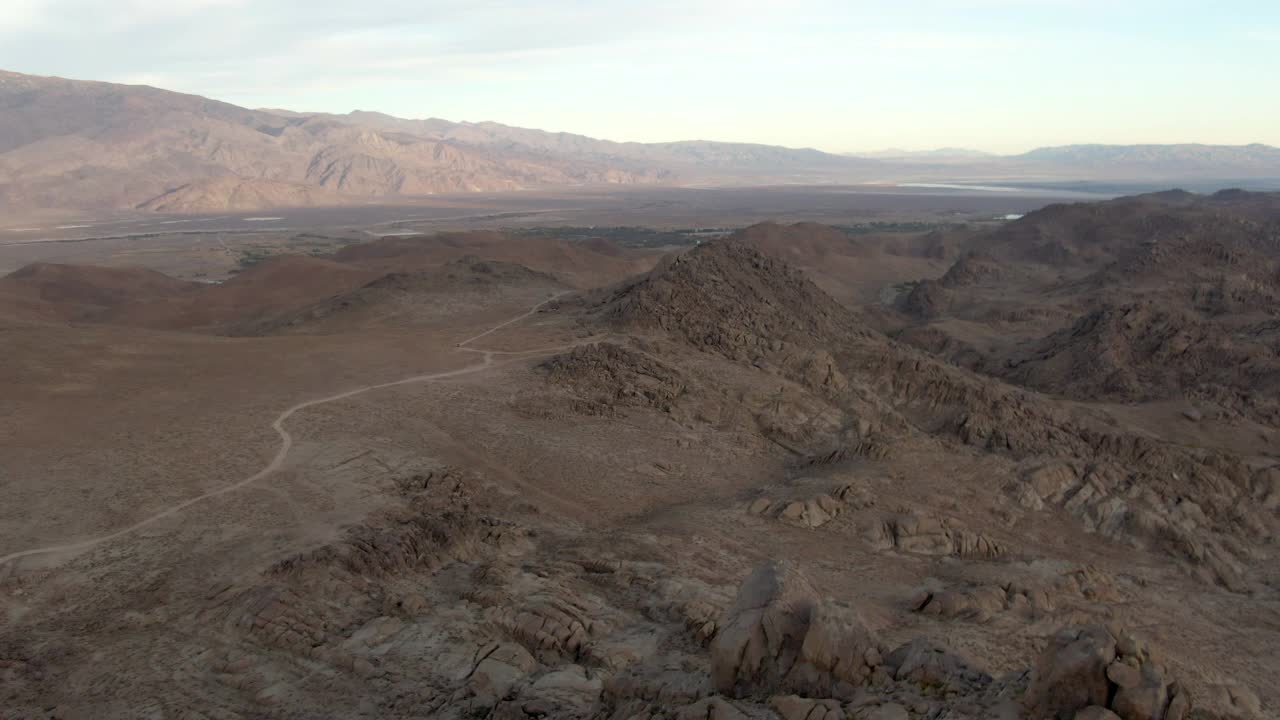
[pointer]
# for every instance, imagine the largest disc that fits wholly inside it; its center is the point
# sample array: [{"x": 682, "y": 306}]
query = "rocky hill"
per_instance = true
[
  {"x": 1157, "y": 297},
  {"x": 728, "y": 296},
  {"x": 1100, "y": 234},
  {"x": 578, "y": 264},
  {"x": 725, "y": 298},
  {"x": 407, "y": 298},
  {"x": 272, "y": 286}
]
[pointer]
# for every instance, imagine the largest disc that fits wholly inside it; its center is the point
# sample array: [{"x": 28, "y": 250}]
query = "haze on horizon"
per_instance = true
[{"x": 995, "y": 75}]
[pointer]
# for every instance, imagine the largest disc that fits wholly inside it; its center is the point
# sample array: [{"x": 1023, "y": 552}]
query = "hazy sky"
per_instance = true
[{"x": 999, "y": 75}]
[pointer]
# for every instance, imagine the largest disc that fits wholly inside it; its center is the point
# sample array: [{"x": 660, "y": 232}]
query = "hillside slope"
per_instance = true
[
  {"x": 1170, "y": 296},
  {"x": 54, "y": 292}
]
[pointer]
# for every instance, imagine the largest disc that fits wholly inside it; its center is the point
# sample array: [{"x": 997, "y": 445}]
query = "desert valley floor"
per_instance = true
[{"x": 1024, "y": 469}]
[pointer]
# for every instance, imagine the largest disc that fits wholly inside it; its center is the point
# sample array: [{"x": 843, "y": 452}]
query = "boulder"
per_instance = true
[
  {"x": 794, "y": 707},
  {"x": 1124, "y": 675},
  {"x": 891, "y": 711},
  {"x": 1097, "y": 667},
  {"x": 807, "y": 513},
  {"x": 567, "y": 687},
  {"x": 709, "y": 708},
  {"x": 1052, "y": 481},
  {"x": 761, "y": 635},
  {"x": 664, "y": 680},
  {"x": 1234, "y": 702},
  {"x": 1071, "y": 673},
  {"x": 924, "y": 663},
  {"x": 838, "y": 648},
  {"x": 778, "y": 636},
  {"x": 498, "y": 667},
  {"x": 1096, "y": 712}
]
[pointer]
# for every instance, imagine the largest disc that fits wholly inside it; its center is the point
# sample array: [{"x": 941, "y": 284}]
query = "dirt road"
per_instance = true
[{"x": 286, "y": 439}]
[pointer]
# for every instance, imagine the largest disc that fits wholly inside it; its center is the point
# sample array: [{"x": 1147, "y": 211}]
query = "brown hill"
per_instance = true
[
  {"x": 580, "y": 265},
  {"x": 410, "y": 298},
  {"x": 1153, "y": 351},
  {"x": 58, "y": 292},
  {"x": 802, "y": 244},
  {"x": 1097, "y": 234},
  {"x": 926, "y": 300},
  {"x": 1156, "y": 297},
  {"x": 854, "y": 270},
  {"x": 970, "y": 269},
  {"x": 272, "y": 286},
  {"x": 1130, "y": 352},
  {"x": 728, "y": 296}
]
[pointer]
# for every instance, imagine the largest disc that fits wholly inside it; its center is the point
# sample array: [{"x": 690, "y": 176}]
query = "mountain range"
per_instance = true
[{"x": 81, "y": 145}]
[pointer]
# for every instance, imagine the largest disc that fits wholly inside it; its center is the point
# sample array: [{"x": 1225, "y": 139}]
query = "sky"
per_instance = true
[{"x": 839, "y": 75}]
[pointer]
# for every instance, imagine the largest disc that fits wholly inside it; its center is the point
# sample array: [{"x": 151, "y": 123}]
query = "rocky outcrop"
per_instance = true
[
  {"x": 810, "y": 507},
  {"x": 608, "y": 376},
  {"x": 1132, "y": 352},
  {"x": 794, "y": 707},
  {"x": 927, "y": 535},
  {"x": 1094, "y": 670},
  {"x": 929, "y": 299},
  {"x": 1114, "y": 503},
  {"x": 497, "y": 669},
  {"x": 970, "y": 269},
  {"x": 779, "y": 636},
  {"x": 924, "y": 663},
  {"x": 1029, "y": 600}
]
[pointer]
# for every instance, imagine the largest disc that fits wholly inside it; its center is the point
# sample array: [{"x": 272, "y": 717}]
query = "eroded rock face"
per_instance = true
[
  {"x": 761, "y": 636},
  {"x": 711, "y": 708},
  {"x": 609, "y": 377},
  {"x": 813, "y": 507},
  {"x": 1235, "y": 702},
  {"x": 929, "y": 299},
  {"x": 926, "y": 535},
  {"x": 888, "y": 711},
  {"x": 838, "y": 650},
  {"x": 794, "y": 707},
  {"x": 1157, "y": 510},
  {"x": 1030, "y": 600},
  {"x": 1071, "y": 673},
  {"x": 924, "y": 663},
  {"x": 498, "y": 668},
  {"x": 1096, "y": 712},
  {"x": 1095, "y": 671},
  {"x": 779, "y": 636}
]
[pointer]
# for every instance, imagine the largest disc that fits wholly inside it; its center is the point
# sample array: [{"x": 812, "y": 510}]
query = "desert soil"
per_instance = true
[{"x": 482, "y": 476}]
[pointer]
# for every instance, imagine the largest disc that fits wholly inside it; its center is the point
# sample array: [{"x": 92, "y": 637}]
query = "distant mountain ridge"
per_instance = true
[
  {"x": 945, "y": 153},
  {"x": 82, "y": 145},
  {"x": 1181, "y": 157}
]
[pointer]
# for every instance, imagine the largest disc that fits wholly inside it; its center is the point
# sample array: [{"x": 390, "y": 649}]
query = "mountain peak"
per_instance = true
[{"x": 728, "y": 296}]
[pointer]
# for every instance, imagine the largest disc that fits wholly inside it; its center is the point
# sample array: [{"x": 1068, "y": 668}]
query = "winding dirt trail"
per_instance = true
[{"x": 286, "y": 439}]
